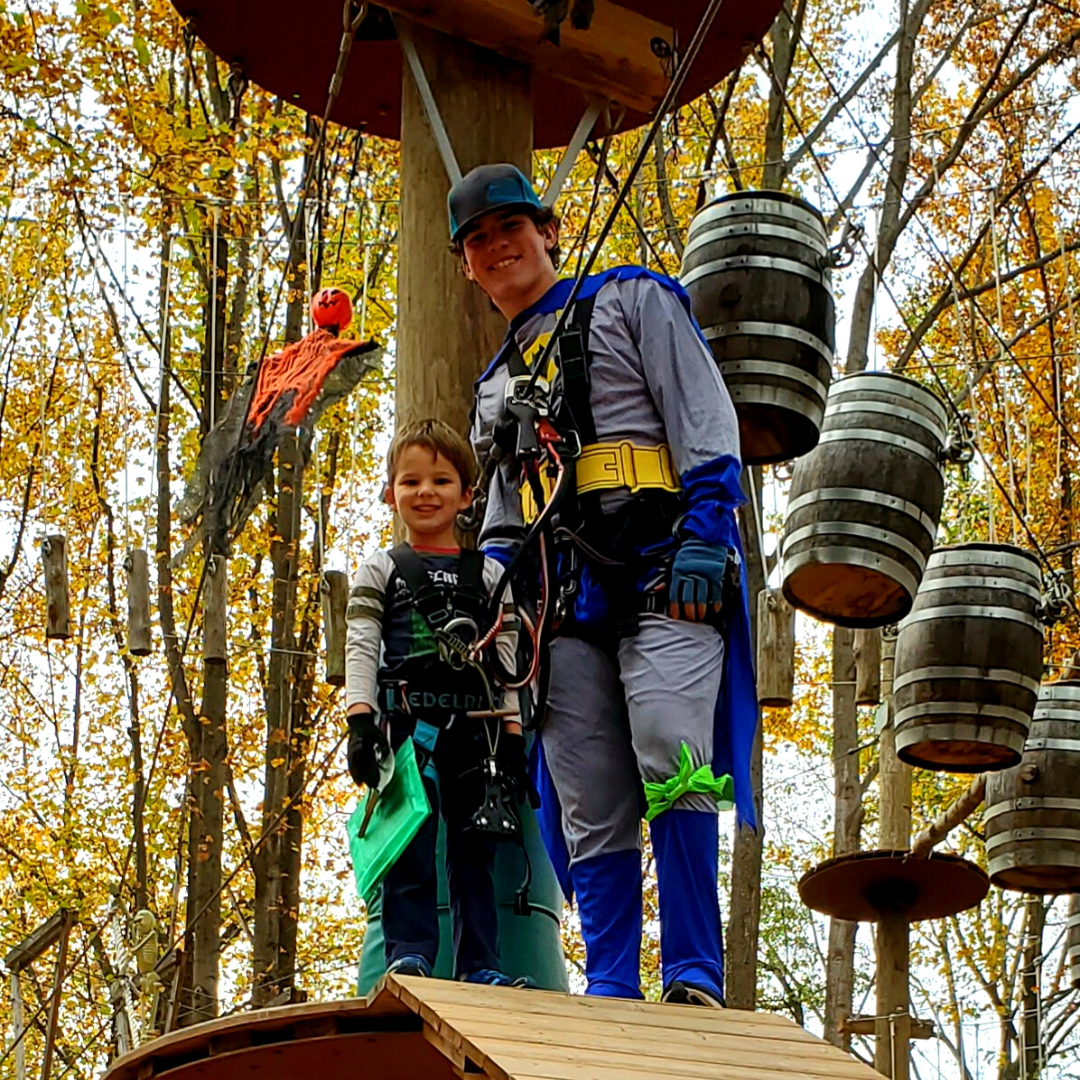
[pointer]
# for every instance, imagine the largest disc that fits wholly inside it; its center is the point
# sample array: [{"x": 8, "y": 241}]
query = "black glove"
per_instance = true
[
  {"x": 514, "y": 766},
  {"x": 367, "y": 749}
]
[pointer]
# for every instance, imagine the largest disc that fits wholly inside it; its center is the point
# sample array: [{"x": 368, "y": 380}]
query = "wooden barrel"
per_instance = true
[
  {"x": 1072, "y": 942},
  {"x": 1032, "y": 817},
  {"x": 968, "y": 660},
  {"x": 863, "y": 507},
  {"x": 755, "y": 268}
]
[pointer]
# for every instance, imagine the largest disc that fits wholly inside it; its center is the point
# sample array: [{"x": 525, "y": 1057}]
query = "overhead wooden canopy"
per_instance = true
[
  {"x": 290, "y": 49},
  {"x": 430, "y": 1029}
]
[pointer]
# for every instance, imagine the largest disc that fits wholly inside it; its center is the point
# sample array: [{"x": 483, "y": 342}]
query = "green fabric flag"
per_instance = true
[{"x": 688, "y": 780}]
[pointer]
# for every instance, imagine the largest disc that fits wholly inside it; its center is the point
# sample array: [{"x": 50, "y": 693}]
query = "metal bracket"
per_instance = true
[
  {"x": 573, "y": 148},
  {"x": 427, "y": 98}
]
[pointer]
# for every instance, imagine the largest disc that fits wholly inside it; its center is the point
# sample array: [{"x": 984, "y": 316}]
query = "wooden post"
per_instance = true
[
  {"x": 867, "y": 667},
  {"x": 892, "y": 1046},
  {"x": 335, "y": 595},
  {"x": 447, "y": 327},
  {"x": 776, "y": 649},
  {"x": 68, "y": 921},
  {"x": 215, "y": 606},
  {"x": 57, "y": 606},
  {"x": 1073, "y": 941},
  {"x": 18, "y": 1022},
  {"x": 137, "y": 565}
]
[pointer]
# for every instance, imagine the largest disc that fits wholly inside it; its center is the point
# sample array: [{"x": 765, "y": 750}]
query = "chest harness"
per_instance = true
[
  {"x": 548, "y": 424},
  {"x": 455, "y": 688}
]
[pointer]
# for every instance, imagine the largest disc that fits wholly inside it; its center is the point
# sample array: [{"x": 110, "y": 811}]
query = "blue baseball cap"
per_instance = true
[{"x": 485, "y": 188}]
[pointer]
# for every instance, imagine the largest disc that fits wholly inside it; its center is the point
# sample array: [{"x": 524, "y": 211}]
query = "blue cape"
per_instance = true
[{"x": 711, "y": 492}]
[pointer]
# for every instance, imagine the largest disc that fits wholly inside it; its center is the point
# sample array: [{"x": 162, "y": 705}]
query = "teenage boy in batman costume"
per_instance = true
[{"x": 651, "y": 708}]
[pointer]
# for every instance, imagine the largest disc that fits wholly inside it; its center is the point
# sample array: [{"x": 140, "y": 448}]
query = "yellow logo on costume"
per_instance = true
[{"x": 535, "y": 351}]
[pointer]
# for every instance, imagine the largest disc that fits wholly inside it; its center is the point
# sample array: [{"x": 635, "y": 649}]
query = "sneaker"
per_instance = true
[
  {"x": 410, "y": 965},
  {"x": 682, "y": 993},
  {"x": 491, "y": 977}
]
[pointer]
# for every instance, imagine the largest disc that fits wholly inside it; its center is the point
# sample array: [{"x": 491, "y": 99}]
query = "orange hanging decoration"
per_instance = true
[{"x": 331, "y": 309}]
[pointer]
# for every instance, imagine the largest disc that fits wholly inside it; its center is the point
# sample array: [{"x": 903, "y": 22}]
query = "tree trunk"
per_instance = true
[
  {"x": 277, "y": 861},
  {"x": 889, "y": 228},
  {"x": 840, "y": 962}
]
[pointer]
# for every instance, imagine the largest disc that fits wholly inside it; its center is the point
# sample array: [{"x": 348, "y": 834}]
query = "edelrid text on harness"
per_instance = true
[{"x": 453, "y": 683}]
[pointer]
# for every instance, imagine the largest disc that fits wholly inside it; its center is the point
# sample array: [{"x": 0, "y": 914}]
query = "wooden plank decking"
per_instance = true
[{"x": 429, "y": 1029}]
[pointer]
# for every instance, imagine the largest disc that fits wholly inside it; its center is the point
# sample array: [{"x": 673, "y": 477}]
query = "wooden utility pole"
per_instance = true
[
  {"x": 847, "y": 801},
  {"x": 447, "y": 328},
  {"x": 892, "y": 1028}
]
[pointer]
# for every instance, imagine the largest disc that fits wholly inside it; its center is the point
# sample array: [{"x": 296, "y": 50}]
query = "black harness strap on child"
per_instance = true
[{"x": 439, "y": 606}]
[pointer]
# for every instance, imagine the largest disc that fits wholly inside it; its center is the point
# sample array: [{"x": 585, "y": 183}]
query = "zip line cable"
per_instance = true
[{"x": 958, "y": 415}]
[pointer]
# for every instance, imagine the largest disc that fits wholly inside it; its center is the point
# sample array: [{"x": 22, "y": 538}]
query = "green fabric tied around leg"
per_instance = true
[{"x": 688, "y": 780}]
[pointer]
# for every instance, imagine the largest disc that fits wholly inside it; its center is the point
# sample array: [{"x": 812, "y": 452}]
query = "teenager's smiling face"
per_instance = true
[
  {"x": 508, "y": 255},
  {"x": 428, "y": 496}
]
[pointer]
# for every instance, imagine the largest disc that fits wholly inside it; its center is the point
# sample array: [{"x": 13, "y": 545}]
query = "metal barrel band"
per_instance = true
[
  {"x": 885, "y": 437},
  {"x": 1060, "y": 693},
  {"x": 1069, "y": 746},
  {"x": 753, "y": 262},
  {"x": 885, "y": 408},
  {"x": 852, "y": 556},
  {"x": 1014, "y": 560},
  {"x": 964, "y": 581},
  {"x": 757, "y": 208},
  {"x": 972, "y": 611},
  {"x": 758, "y": 328},
  {"x": 858, "y": 529},
  {"x": 733, "y": 368},
  {"x": 752, "y": 393},
  {"x": 939, "y": 671},
  {"x": 984, "y": 711},
  {"x": 1073, "y": 920},
  {"x": 900, "y": 385},
  {"x": 865, "y": 495},
  {"x": 1071, "y": 836},
  {"x": 853, "y": 398},
  {"x": 1044, "y": 711},
  {"x": 1029, "y": 803},
  {"x": 699, "y": 239}
]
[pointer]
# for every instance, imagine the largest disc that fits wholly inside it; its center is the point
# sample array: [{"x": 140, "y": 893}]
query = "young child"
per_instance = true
[{"x": 399, "y": 599}]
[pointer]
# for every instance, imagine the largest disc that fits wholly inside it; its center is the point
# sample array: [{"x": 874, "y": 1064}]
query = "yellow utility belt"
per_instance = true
[{"x": 606, "y": 466}]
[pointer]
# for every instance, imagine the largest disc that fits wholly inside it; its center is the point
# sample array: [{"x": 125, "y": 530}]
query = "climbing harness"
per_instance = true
[{"x": 462, "y": 662}]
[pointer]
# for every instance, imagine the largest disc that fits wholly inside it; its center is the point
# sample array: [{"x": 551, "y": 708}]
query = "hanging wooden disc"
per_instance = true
[
  {"x": 776, "y": 649},
  {"x": 869, "y": 884},
  {"x": 137, "y": 566},
  {"x": 57, "y": 604},
  {"x": 335, "y": 595}
]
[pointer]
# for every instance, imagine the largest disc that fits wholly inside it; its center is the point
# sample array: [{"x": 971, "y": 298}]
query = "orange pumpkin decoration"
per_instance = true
[{"x": 331, "y": 309}]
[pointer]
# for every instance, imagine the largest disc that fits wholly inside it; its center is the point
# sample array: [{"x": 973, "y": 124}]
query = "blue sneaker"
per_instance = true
[
  {"x": 491, "y": 977},
  {"x": 410, "y": 965}
]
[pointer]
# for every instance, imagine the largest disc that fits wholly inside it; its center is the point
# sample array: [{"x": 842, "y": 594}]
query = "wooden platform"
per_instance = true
[
  {"x": 429, "y": 1029},
  {"x": 291, "y": 50}
]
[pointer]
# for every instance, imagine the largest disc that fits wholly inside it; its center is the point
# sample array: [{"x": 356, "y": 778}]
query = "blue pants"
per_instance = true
[
  {"x": 613, "y": 720},
  {"x": 410, "y": 917}
]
